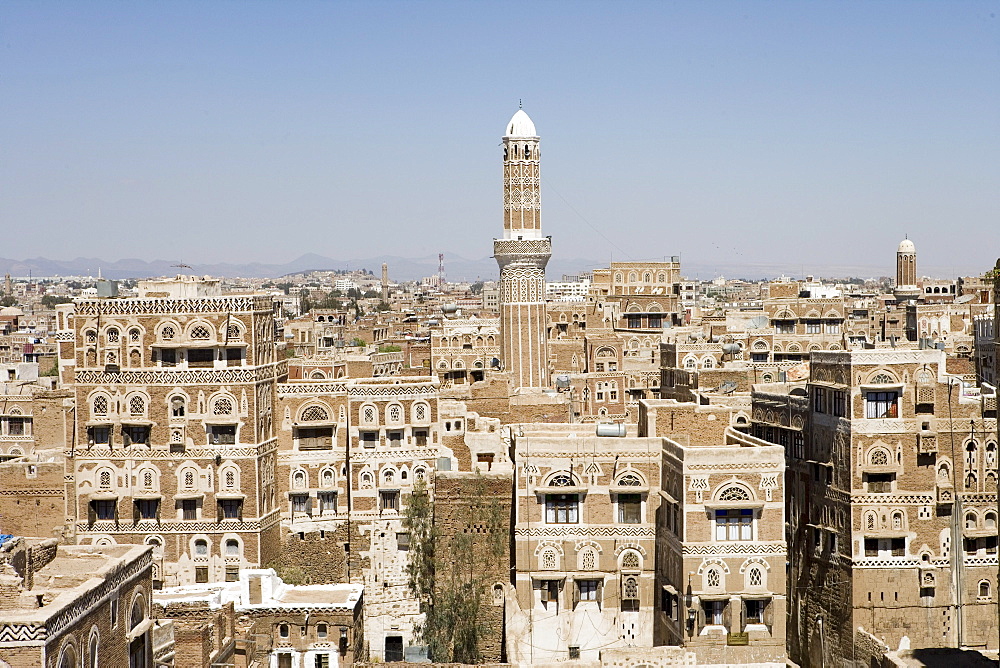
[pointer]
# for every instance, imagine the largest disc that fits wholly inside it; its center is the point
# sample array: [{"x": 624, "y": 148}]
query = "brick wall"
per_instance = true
[
  {"x": 461, "y": 502},
  {"x": 320, "y": 558},
  {"x": 32, "y": 498}
]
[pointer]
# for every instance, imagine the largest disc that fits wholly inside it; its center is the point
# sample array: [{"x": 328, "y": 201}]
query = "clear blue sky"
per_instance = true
[{"x": 816, "y": 133}]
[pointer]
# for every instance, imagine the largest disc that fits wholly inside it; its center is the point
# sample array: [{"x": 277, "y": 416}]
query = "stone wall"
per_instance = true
[
  {"x": 461, "y": 503},
  {"x": 318, "y": 555},
  {"x": 32, "y": 498}
]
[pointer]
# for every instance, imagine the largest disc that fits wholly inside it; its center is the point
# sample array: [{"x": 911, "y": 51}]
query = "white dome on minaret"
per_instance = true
[
  {"x": 520, "y": 126},
  {"x": 906, "y": 246}
]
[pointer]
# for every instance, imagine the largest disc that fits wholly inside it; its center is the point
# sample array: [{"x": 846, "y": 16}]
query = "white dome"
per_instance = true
[
  {"x": 906, "y": 246},
  {"x": 520, "y": 126}
]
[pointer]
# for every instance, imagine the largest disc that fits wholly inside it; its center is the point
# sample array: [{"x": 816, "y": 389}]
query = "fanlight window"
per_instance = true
[
  {"x": 230, "y": 479},
  {"x": 548, "y": 560},
  {"x": 147, "y": 479},
  {"x": 315, "y": 414},
  {"x": 561, "y": 480},
  {"x": 105, "y": 480},
  {"x": 712, "y": 578},
  {"x": 199, "y": 332},
  {"x": 167, "y": 333},
  {"x": 882, "y": 379},
  {"x": 420, "y": 412},
  {"x": 734, "y": 493},
  {"x": 630, "y": 560},
  {"x": 754, "y": 577},
  {"x": 388, "y": 476},
  {"x": 368, "y": 415},
  {"x": 327, "y": 478},
  {"x": 138, "y": 614},
  {"x": 91, "y": 336},
  {"x": 134, "y": 335},
  {"x": 233, "y": 332},
  {"x": 630, "y": 588},
  {"x": 100, "y": 405},
  {"x": 188, "y": 479},
  {"x": 112, "y": 336},
  {"x": 588, "y": 559},
  {"x": 223, "y": 406},
  {"x": 879, "y": 458},
  {"x": 395, "y": 413},
  {"x": 299, "y": 480},
  {"x": 629, "y": 480}
]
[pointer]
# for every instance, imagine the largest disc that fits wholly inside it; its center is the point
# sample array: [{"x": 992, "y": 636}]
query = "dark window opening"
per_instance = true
[{"x": 222, "y": 434}]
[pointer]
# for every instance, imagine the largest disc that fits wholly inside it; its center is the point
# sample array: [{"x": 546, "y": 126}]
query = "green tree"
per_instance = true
[
  {"x": 7, "y": 301},
  {"x": 476, "y": 288},
  {"x": 356, "y": 341},
  {"x": 390, "y": 348},
  {"x": 50, "y": 301},
  {"x": 445, "y": 572}
]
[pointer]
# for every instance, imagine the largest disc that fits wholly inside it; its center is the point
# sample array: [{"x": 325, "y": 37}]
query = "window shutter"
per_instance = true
[
  {"x": 159, "y": 504},
  {"x": 600, "y": 594},
  {"x": 116, "y": 511},
  {"x": 135, "y": 512},
  {"x": 91, "y": 512},
  {"x": 218, "y": 511},
  {"x": 576, "y": 593}
]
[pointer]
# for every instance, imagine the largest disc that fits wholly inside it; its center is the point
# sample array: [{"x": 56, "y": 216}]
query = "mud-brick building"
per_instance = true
[
  {"x": 174, "y": 441},
  {"x": 67, "y": 606},
  {"x": 721, "y": 549},
  {"x": 891, "y": 502},
  {"x": 584, "y": 525}
]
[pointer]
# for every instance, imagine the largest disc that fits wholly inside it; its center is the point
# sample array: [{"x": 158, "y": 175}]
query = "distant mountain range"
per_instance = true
[{"x": 457, "y": 268}]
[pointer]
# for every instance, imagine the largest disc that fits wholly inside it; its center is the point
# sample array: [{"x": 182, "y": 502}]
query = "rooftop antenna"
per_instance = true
[
  {"x": 181, "y": 264},
  {"x": 519, "y": 103}
]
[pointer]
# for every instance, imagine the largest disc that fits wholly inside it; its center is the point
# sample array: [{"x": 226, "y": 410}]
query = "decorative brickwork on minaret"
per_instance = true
[{"x": 522, "y": 254}]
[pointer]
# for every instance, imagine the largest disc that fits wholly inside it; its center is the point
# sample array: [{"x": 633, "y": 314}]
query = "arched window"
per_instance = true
[
  {"x": 105, "y": 480},
  {"x": 201, "y": 547},
  {"x": 230, "y": 479},
  {"x": 629, "y": 480},
  {"x": 200, "y": 332},
  {"x": 94, "y": 649},
  {"x": 420, "y": 412},
  {"x": 630, "y": 589},
  {"x": 100, "y": 405},
  {"x": 388, "y": 476},
  {"x": 299, "y": 479},
  {"x": 984, "y": 589},
  {"x": 548, "y": 560},
  {"x": 368, "y": 415},
  {"x": 138, "y": 613},
  {"x": 232, "y": 548},
  {"x": 315, "y": 414},
  {"x": 222, "y": 406},
  {"x": 881, "y": 379},
  {"x": 177, "y": 406},
  {"x": 327, "y": 478},
  {"x": 734, "y": 493},
  {"x": 134, "y": 335},
  {"x": 713, "y": 579},
  {"x": 395, "y": 413},
  {"x": 147, "y": 479},
  {"x": 91, "y": 336},
  {"x": 136, "y": 406},
  {"x": 631, "y": 560},
  {"x": 879, "y": 457},
  {"x": 68, "y": 658},
  {"x": 990, "y": 522},
  {"x": 755, "y": 577},
  {"x": 366, "y": 479},
  {"x": 188, "y": 479},
  {"x": 588, "y": 559},
  {"x": 283, "y": 630},
  {"x": 897, "y": 520},
  {"x": 113, "y": 335},
  {"x": 561, "y": 480},
  {"x": 167, "y": 332},
  {"x": 970, "y": 521},
  {"x": 870, "y": 521}
]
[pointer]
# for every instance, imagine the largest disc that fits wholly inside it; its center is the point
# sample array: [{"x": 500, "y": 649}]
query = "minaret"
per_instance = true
[
  {"x": 906, "y": 271},
  {"x": 522, "y": 254}
]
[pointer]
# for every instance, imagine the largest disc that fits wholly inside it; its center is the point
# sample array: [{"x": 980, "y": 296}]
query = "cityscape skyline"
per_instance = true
[{"x": 199, "y": 132}]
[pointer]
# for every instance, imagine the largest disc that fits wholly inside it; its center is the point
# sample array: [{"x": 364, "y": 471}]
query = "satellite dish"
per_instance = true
[
  {"x": 965, "y": 299},
  {"x": 728, "y": 387},
  {"x": 758, "y": 322}
]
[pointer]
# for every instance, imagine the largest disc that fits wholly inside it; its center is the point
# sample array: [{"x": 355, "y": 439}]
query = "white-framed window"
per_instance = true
[{"x": 734, "y": 524}]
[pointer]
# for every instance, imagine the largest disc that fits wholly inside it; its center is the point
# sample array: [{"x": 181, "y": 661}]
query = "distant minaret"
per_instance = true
[
  {"x": 906, "y": 271},
  {"x": 8, "y": 286},
  {"x": 385, "y": 282},
  {"x": 522, "y": 254}
]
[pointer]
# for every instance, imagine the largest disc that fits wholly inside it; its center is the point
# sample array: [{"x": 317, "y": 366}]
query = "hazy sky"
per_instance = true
[{"x": 816, "y": 133}]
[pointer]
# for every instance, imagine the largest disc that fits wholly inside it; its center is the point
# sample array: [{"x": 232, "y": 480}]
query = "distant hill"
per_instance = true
[{"x": 457, "y": 268}]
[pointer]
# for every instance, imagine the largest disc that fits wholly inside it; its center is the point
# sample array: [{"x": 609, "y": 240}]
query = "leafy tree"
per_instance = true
[
  {"x": 354, "y": 293},
  {"x": 370, "y": 294},
  {"x": 382, "y": 306},
  {"x": 476, "y": 288},
  {"x": 50, "y": 301},
  {"x": 445, "y": 572},
  {"x": 358, "y": 342},
  {"x": 7, "y": 301},
  {"x": 390, "y": 348}
]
